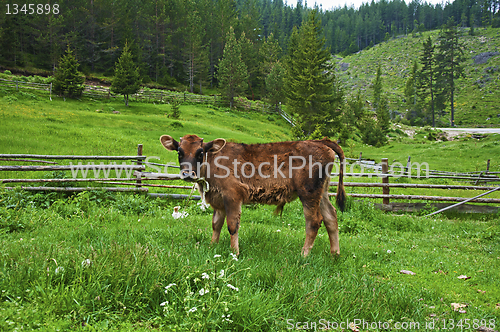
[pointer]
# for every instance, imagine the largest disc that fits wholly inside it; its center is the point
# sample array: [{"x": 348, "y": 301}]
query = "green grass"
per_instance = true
[
  {"x": 465, "y": 155},
  {"x": 135, "y": 249},
  {"x": 31, "y": 124},
  {"x": 101, "y": 261},
  {"x": 475, "y": 104}
]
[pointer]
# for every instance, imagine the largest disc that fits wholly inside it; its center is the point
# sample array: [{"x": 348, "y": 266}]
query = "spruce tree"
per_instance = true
[
  {"x": 311, "y": 87},
  {"x": 127, "y": 79},
  {"x": 427, "y": 76},
  {"x": 232, "y": 71},
  {"x": 411, "y": 87},
  {"x": 272, "y": 71},
  {"x": 377, "y": 87},
  {"x": 68, "y": 81},
  {"x": 275, "y": 85},
  {"x": 381, "y": 105},
  {"x": 449, "y": 60}
]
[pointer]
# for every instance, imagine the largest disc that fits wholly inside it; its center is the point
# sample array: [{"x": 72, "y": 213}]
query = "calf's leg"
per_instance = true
[
  {"x": 330, "y": 218},
  {"x": 313, "y": 223},
  {"x": 233, "y": 212},
  {"x": 217, "y": 223}
]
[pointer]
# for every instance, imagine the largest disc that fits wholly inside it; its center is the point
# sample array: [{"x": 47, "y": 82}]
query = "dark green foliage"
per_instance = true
[
  {"x": 127, "y": 79},
  {"x": 232, "y": 72},
  {"x": 275, "y": 85},
  {"x": 272, "y": 71},
  {"x": 68, "y": 81},
  {"x": 427, "y": 78},
  {"x": 373, "y": 133},
  {"x": 176, "y": 113},
  {"x": 311, "y": 87},
  {"x": 450, "y": 67},
  {"x": 377, "y": 87}
]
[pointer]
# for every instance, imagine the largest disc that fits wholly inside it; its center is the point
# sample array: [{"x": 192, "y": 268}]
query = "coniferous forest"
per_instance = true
[{"x": 183, "y": 40}]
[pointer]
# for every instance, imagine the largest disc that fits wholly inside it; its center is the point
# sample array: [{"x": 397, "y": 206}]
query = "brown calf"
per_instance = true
[{"x": 272, "y": 173}]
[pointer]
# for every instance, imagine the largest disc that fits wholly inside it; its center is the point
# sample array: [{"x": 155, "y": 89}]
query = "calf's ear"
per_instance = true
[
  {"x": 169, "y": 143},
  {"x": 214, "y": 146}
]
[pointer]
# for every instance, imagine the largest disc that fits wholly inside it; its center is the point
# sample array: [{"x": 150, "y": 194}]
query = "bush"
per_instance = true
[
  {"x": 372, "y": 134},
  {"x": 176, "y": 112}
]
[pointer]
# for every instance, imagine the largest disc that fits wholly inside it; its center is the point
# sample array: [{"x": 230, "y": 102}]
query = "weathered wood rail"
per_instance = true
[
  {"x": 146, "y": 95},
  {"x": 138, "y": 179}
]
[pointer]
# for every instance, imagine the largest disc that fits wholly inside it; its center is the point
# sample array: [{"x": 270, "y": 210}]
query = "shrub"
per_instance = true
[{"x": 176, "y": 112}]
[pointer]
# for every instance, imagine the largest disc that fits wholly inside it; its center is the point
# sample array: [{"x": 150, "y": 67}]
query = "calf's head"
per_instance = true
[{"x": 191, "y": 152}]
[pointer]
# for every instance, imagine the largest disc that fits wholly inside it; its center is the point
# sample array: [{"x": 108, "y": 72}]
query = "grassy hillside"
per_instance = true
[
  {"x": 31, "y": 124},
  {"x": 460, "y": 154},
  {"x": 476, "y": 96}
]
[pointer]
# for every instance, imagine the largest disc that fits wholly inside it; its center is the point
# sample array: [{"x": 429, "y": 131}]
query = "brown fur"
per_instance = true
[{"x": 226, "y": 195}]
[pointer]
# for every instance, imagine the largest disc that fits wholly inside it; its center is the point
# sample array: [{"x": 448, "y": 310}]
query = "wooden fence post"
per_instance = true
[
  {"x": 488, "y": 166},
  {"x": 50, "y": 92},
  {"x": 139, "y": 153},
  {"x": 408, "y": 166},
  {"x": 385, "y": 179}
]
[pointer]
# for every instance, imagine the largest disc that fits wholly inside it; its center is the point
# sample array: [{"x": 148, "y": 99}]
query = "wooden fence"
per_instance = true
[
  {"x": 138, "y": 180},
  {"x": 150, "y": 96}
]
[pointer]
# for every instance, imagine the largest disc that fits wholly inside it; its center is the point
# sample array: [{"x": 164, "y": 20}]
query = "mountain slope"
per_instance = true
[{"x": 476, "y": 102}]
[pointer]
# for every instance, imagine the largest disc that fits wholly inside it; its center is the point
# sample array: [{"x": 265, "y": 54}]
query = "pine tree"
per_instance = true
[
  {"x": 449, "y": 60},
  {"x": 194, "y": 51},
  {"x": 275, "y": 85},
  {"x": 410, "y": 91},
  {"x": 427, "y": 76},
  {"x": 68, "y": 81},
  {"x": 380, "y": 103},
  {"x": 311, "y": 87},
  {"x": 127, "y": 79},
  {"x": 272, "y": 71},
  {"x": 377, "y": 87},
  {"x": 232, "y": 72}
]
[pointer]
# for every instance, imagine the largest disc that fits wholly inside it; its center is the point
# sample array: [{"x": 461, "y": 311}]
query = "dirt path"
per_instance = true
[{"x": 471, "y": 130}]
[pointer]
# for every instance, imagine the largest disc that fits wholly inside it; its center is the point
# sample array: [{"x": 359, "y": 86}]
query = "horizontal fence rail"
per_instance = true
[
  {"x": 152, "y": 96},
  {"x": 138, "y": 176}
]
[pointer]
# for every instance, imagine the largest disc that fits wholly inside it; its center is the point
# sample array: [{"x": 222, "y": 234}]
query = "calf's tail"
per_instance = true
[{"x": 341, "y": 195}]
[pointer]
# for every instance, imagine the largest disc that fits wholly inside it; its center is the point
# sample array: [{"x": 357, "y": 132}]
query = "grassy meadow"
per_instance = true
[{"x": 100, "y": 261}]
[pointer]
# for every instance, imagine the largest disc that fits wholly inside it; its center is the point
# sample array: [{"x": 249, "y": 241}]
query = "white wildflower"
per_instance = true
[
  {"x": 163, "y": 303},
  {"x": 221, "y": 273},
  {"x": 168, "y": 286},
  {"x": 59, "y": 269},
  {"x": 232, "y": 287},
  {"x": 177, "y": 214},
  {"x": 86, "y": 263},
  {"x": 389, "y": 251},
  {"x": 234, "y": 256},
  {"x": 278, "y": 230},
  {"x": 204, "y": 275},
  {"x": 203, "y": 291},
  {"x": 193, "y": 309},
  {"x": 217, "y": 256}
]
